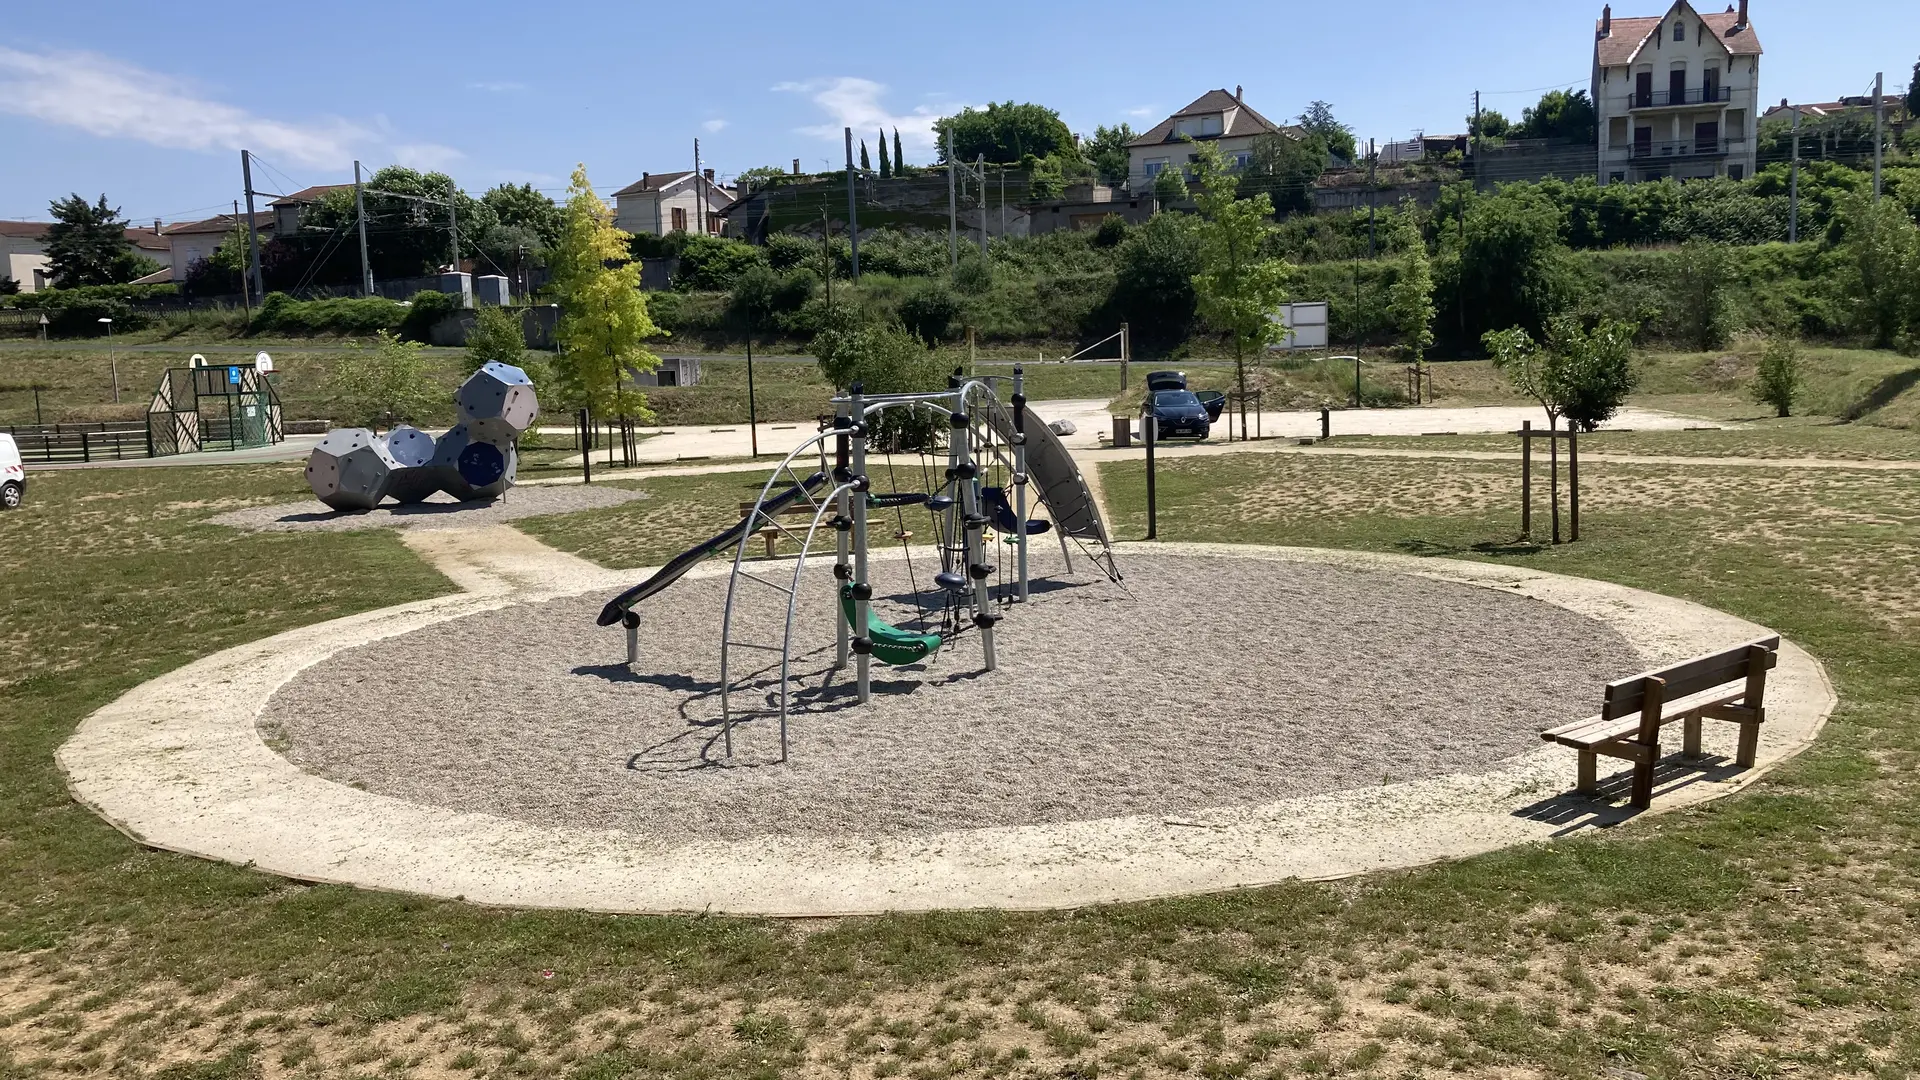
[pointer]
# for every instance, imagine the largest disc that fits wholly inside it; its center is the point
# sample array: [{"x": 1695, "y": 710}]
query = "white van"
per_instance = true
[{"x": 13, "y": 478}]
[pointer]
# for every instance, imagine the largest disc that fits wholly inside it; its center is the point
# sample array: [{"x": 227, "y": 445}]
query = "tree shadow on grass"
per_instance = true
[
  {"x": 1517, "y": 548},
  {"x": 1883, "y": 393}
]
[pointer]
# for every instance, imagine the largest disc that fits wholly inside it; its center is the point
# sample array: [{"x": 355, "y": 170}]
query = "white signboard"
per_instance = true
[
  {"x": 1306, "y": 325},
  {"x": 262, "y": 363}
]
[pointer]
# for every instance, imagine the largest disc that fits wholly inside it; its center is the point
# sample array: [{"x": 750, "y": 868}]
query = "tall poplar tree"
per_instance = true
[
  {"x": 886, "y": 166},
  {"x": 900, "y": 159},
  {"x": 865, "y": 164},
  {"x": 603, "y": 313}
]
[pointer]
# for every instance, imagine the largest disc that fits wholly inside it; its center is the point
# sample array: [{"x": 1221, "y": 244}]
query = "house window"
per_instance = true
[
  {"x": 1241, "y": 159},
  {"x": 1616, "y": 177},
  {"x": 1679, "y": 30},
  {"x": 1736, "y": 172},
  {"x": 713, "y": 224},
  {"x": 679, "y": 219},
  {"x": 1154, "y": 165}
]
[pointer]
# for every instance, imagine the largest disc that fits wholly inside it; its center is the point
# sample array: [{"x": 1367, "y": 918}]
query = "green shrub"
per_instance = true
[
  {"x": 282, "y": 314},
  {"x": 763, "y": 298},
  {"x": 713, "y": 263},
  {"x": 1111, "y": 233},
  {"x": 424, "y": 311},
  {"x": 974, "y": 275},
  {"x": 1153, "y": 285},
  {"x": 1777, "y": 382},
  {"x": 930, "y": 311}
]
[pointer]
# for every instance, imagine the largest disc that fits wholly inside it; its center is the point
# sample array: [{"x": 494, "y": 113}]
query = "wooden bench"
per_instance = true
[
  {"x": 1634, "y": 710},
  {"x": 770, "y": 532}
]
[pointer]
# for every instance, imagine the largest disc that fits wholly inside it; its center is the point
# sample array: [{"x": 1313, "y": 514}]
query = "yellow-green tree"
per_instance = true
[
  {"x": 603, "y": 313},
  {"x": 1411, "y": 300},
  {"x": 1240, "y": 286}
]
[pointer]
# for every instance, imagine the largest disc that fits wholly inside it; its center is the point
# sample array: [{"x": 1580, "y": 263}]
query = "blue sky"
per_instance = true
[{"x": 150, "y": 102}]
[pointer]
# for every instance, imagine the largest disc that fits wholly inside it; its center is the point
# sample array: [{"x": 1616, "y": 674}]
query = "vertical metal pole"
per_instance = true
[
  {"x": 1526, "y": 478},
  {"x": 1356, "y": 382},
  {"x": 1126, "y": 355},
  {"x": 1793, "y": 185},
  {"x": 453, "y": 233},
  {"x": 972, "y": 356},
  {"x": 1020, "y": 477},
  {"x": 753, "y": 411},
  {"x": 1150, "y": 427},
  {"x": 972, "y": 524},
  {"x": 953, "y": 213},
  {"x": 632, "y": 621},
  {"x": 843, "y": 510},
  {"x": 586, "y": 447},
  {"x": 853, "y": 226},
  {"x": 113, "y": 364},
  {"x": 1372, "y": 158},
  {"x": 862, "y": 591},
  {"x": 360, "y": 218}
]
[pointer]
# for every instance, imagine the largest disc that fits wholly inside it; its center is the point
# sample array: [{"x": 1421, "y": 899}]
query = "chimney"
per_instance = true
[
  {"x": 1741, "y": 23},
  {"x": 796, "y": 166},
  {"x": 708, "y": 173},
  {"x": 1236, "y": 92},
  {"x": 646, "y": 181},
  {"x": 1606, "y": 21},
  {"x": 156, "y": 226}
]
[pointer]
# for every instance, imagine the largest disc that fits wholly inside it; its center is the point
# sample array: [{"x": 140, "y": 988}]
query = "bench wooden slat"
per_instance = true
[
  {"x": 1594, "y": 730},
  {"x": 1624, "y": 696}
]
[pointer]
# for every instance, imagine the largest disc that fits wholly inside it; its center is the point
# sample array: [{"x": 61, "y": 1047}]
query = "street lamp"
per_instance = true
[{"x": 113, "y": 363}]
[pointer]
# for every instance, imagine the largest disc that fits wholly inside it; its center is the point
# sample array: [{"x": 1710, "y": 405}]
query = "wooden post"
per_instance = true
[
  {"x": 1573, "y": 480},
  {"x": 1756, "y": 699},
  {"x": 1526, "y": 479},
  {"x": 1553, "y": 473},
  {"x": 1651, "y": 704}
]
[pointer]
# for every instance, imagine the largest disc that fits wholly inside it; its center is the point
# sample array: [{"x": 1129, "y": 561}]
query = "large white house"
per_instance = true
[
  {"x": 662, "y": 203},
  {"x": 1677, "y": 95}
]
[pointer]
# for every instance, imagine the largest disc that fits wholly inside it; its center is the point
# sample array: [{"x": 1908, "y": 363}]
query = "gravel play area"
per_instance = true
[
  {"x": 1207, "y": 682},
  {"x": 440, "y": 511}
]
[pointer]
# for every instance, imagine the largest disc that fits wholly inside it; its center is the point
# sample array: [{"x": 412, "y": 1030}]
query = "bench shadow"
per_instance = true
[
  {"x": 666, "y": 680},
  {"x": 1572, "y": 811}
]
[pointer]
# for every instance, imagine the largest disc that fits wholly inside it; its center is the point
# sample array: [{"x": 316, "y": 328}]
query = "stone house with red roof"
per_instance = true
[
  {"x": 1216, "y": 116},
  {"x": 1676, "y": 95}
]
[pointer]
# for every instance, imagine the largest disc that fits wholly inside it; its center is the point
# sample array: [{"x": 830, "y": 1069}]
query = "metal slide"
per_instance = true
[
  {"x": 1058, "y": 480},
  {"x": 677, "y": 567}
]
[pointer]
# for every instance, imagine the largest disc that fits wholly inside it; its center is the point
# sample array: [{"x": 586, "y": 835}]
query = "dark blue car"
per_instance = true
[{"x": 1177, "y": 414}]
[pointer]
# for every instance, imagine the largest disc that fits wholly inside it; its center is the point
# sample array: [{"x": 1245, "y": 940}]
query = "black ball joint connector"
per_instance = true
[
  {"x": 862, "y": 645},
  {"x": 863, "y": 592}
]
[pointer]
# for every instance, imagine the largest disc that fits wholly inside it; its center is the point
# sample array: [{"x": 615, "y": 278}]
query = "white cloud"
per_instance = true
[
  {"x": 713, "y": 125},
  {"x": 855, "y": 103},
  {"x": 1142, "y": 112},
  {"x": 497, "y": 87},
  {"x": 114, "y": 99},
  {"x": 427, "y": 156}
]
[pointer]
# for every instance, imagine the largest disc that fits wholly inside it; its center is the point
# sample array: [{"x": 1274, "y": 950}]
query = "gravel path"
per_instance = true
[
  {"x": 1219, "y": 682},
  {"x": 440, "y": 511}
]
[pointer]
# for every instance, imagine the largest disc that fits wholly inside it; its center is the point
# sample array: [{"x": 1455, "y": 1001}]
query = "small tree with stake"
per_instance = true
[
  {"x": 1581, "y": 374},
  {"x": 1239, "y": 285}
]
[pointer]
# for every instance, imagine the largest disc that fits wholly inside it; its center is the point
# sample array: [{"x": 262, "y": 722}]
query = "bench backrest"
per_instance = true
[{"x": 1627, "y": 696}]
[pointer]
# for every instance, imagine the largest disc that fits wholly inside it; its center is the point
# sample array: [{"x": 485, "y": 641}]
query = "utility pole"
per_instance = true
[
  {"x": 253, "y": 231},
  {"x": 699, "y": 188},
  {"x": 246, "y": 286},
  {"x": 453, "y": 229},
  {"x": 853, "y": 210},
  {"x": 1793, "y": 185},
  {"x": 953, "y": 212},
  {"x": 1879, "y": 120},
  {"x": 1372, "y": 159},
  {"x": 360, "y": 216},
  {"x": 980, "y": 164}
]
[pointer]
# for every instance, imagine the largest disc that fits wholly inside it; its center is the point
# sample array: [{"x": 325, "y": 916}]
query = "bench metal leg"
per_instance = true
[
  {"x": 1692, "y": 745},
  {"x": 1589, "y": 773}
]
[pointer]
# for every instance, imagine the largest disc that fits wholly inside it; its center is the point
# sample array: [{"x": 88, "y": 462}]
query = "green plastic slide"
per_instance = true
[{"x": 891, "y": 645}]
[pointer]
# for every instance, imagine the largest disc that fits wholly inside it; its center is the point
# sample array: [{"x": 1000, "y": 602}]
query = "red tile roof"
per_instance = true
[
  {"x": 1246, "y": 121},
  {"x": 307, "y": 195},
  {"x": 30, "y": 230},
  {"x": 1618, "y": 48},
  {"x": 221, "y": 223}
]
